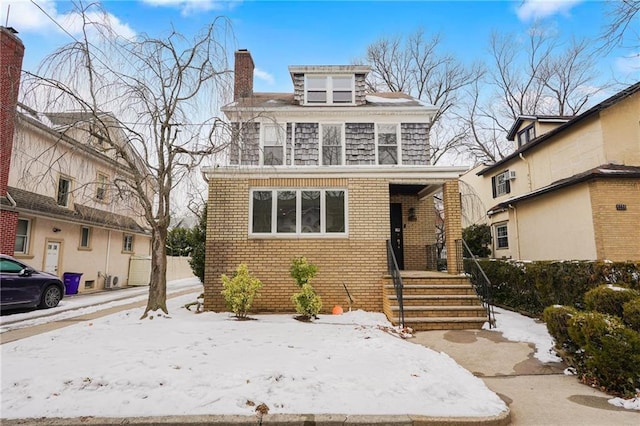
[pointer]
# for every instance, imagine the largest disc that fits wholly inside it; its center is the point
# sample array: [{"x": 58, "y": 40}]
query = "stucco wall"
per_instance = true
[
  {"x": 104, "y": 255},
  {"x": 556, "y": 226},
  {"x": 621, "y": 130}
]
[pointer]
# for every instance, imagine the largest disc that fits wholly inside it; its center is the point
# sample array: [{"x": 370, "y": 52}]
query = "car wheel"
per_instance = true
[{"x": 51, "y": 297}]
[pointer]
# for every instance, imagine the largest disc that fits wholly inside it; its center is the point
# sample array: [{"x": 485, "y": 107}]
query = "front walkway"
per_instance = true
[{"x": 536, "y": 393}]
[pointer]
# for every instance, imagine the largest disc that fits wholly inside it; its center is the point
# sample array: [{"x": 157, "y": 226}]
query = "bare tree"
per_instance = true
[
  {"x": 534, "y": 75},
  {"x": 161, "y": 97},
  {"x": 623, "y": 23},
  {"x": 416, "y": 66}
]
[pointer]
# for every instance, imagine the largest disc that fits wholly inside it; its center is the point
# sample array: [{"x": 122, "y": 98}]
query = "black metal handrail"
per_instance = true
[
  {"x": 394, "y": 271},
  {"x": 483, "y": 286}
]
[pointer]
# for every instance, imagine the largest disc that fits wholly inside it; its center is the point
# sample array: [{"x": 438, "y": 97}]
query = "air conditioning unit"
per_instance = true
[
  {"x": 111, "y": 282},
  {"x": 512, "y": 175}
]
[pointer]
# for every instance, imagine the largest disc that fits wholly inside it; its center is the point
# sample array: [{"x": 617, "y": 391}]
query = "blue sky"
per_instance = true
[{"x": 285, "y": 33}]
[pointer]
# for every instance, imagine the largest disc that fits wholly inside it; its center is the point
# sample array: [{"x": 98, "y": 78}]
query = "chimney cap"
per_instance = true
[{"x": 11, "y": 30}]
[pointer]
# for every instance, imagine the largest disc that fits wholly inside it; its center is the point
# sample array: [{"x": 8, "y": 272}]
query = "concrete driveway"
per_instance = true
[{"x": 537, "y": 393}]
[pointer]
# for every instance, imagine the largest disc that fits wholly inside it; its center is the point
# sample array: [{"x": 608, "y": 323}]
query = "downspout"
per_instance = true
[
  {"x": 106, "y": 260},
  {"x": 515, "y": 219},
  {"x": 528, "y": 170}
]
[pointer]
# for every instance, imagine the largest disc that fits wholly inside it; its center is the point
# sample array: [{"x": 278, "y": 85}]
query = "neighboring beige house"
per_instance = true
[
  {"x": 571, "y": 189},
  {"x": 329, "y": 172},
  {"x": 71, "y": 218}
]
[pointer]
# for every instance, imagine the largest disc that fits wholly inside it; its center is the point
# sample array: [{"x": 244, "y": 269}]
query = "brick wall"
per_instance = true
[
  {"x": 359, "y": 261},
  {"x": 617, "y": 232},
  {"x": 11, "y": 54},
  {"x": 452, "y": 223},
  {"x": 419, "y": 233},
  {"x": 8, "y": 226},
  {"x": 243, "y": 78}
]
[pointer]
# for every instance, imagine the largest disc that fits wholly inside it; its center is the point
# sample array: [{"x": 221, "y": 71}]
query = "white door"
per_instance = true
[{"x": 51, "y": 261}]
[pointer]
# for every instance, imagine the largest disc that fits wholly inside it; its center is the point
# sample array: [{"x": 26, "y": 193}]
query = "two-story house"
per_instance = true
[
  {"x": 329, "y": 172},
  {"x": 571, "y": 188},
  {"x": 61, "y": 209}
]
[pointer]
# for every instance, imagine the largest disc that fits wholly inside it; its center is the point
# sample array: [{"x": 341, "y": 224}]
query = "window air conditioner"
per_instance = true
[{"x": 512, "y": 175}]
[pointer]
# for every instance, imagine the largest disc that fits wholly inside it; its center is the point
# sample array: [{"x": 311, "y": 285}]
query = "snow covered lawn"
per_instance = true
[{"x": 209, "y": 363}]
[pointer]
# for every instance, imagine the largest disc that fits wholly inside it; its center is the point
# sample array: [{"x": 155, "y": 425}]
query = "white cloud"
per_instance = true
[
  {"x": 535, "y": 9},
  {"x": 25, "y": 17},
  {"x": 189, "y": 7},
  {"x": 629, "y": 64},
  {"x": 264, "y": 76}
]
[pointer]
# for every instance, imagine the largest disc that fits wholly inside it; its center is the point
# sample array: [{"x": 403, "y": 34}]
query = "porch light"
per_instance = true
[{"x": 412, "y": 214}]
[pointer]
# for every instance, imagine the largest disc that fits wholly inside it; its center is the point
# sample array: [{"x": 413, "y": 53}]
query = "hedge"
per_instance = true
[{"x": 532, "y": 286}]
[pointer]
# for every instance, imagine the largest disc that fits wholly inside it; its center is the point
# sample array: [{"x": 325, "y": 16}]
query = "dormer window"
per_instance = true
[
  {"x": 526, "y": 135},
  {"x": 329, "y": 90}
]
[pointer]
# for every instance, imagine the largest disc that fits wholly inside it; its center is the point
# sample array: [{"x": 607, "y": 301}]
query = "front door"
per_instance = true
[
  {"x": 52, "y": 257},
  {"x": 396, "y": 233}
]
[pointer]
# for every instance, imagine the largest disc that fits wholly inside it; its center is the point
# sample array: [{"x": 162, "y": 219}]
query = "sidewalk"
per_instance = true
[
  {"x": 82, "y": 307},
  {"x": 536, "y": 393}
]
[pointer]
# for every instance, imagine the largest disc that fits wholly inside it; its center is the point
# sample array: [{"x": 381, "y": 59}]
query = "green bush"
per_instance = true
[
  {"x": 610, "y": 354},
  {"x": 631, "y": 314},
  {"x": 307, "y": 302},
  {"x": 302, "y": 271},
  {"x": 557, "y": 320},
  {"x": 478, "y": 238},
  {"x": 240, "y": 290},
  {"x": 609, "y": 299},
  {"x": 532, "y": 286}
]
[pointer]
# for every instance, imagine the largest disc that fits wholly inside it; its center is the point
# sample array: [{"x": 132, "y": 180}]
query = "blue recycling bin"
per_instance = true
[{"x": 71, "y": 282}]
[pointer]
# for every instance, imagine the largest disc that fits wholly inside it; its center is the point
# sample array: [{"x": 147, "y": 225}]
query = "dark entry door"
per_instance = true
[{"x": 396, "y": 233}]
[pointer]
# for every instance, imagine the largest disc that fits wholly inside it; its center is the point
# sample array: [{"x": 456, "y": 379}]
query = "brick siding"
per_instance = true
[
  {"x": 617, "y": 232},
  {"x": 359, "y": 260}
]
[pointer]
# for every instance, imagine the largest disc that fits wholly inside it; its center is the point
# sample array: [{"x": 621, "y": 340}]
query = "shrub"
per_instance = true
[
  {"x": 307, "y": 302},
  {"x": 631, "y": 314},
  {"x": 557, "y": 319},
  {"x": 610, "y": 351},
  {"x": 478, "y": 238},
  {"x": 302, "y": 271},
  {"x": 240, "y": 290},
  {"x": 609, "y": 299}
]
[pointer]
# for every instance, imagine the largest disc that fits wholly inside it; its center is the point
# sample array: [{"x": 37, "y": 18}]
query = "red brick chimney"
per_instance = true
[
  {"x": 11, "y": 54},
  {"x": 243, "y": 80}
]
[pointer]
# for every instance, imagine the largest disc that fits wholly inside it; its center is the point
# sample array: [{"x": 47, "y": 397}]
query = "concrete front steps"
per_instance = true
[{"x": 434, "y": 301}]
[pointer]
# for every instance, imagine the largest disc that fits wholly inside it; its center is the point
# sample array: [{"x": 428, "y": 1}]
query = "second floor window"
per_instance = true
[
  {"x": 500, "y": 184},
  {"x": 273, "y": 137},
  {"x": 64, "y": 187},
  {"x": 101, "y": 188},
  {"x": 387, "y": 135},
  {"x": 332, "y": 144}
]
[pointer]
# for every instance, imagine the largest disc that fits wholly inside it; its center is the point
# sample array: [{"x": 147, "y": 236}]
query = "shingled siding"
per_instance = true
[
  {"x": 298, "y": 88},
  {"x": 306, "y": 146},
  {"x": 415, "y": 143},
  {"x": 361, "y": 89},
  {"x": 246, "y": 145},
  {"x": 360, "y": 144},
  {"x": 289, "y": 144}
]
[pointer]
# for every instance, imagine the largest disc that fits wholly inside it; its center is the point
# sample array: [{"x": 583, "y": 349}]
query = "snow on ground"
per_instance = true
[
  {"x": 209, "y": 363},
  {"x": 518, "y": 328},
  {"x": 629, "y": 404},
  {"x": 82, "y": 304}
]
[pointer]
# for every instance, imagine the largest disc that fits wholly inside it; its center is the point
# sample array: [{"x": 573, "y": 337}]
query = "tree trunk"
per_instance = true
[{"x": 158, "y": 285}]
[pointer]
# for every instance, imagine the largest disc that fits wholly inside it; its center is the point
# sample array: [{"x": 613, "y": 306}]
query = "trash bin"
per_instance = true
[{"x": 71, "y": 282}]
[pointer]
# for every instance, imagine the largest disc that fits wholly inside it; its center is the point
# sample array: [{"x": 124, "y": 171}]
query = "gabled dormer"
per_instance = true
[
  {"x": 330, "y": 85},
  {"x": 528, "y": 127}
]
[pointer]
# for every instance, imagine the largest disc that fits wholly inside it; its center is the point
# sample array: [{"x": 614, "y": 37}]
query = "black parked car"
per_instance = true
[{"x": 21, "y": 286}]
